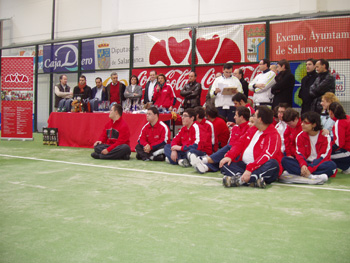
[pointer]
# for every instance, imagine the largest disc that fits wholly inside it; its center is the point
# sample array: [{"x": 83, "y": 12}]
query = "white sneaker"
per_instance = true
[
  {"x": 201, "y": 168},
  {"x": 285, "y": 173},
  {"x": 184, "y": 163},
  {"x": 167, "y": 160},
  {"x": 322, "y": 177},
  {"x": 193, "y": 158},
  {"x": 160, "y": 151},
  {"x": 347, "y": 171}
]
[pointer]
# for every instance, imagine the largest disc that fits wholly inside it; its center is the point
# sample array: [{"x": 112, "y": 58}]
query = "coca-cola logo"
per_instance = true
[{"x": 214, "y": 49}]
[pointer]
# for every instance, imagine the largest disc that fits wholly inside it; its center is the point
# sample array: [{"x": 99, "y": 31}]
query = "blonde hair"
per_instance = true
[{"x": 330, "y": 97}]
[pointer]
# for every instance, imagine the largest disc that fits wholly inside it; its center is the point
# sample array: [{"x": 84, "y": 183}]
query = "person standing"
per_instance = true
[
  {"x": 224, "y": 103},
  {"x": 149, "y": 88},
  {"x": 325, "y": 82},
  {"x": 191, "y": 92},
  {"x": 306, "y": 83},
  {"x": 283, "y": 89},
  {"x": 133, "y": 92},
  {"x": 163, "y": 95},
  {"x": 238, "y": 73}
]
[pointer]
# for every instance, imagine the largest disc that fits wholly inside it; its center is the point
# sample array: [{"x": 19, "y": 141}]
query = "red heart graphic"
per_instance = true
[
  {"x": 158, "y": 53},
  {"x": 20, "y": 78},
  {"x": 177, "y": 50},
  {"x": 207, "y": 47},
  {"x": 190, "y": 59},
  {"x": 229, "y": 52}
]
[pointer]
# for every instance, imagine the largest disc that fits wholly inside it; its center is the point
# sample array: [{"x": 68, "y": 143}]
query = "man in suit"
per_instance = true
[{"x": 149, "y": 88}]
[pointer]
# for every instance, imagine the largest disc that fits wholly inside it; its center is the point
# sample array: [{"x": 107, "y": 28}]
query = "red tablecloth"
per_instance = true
[{"x": 83, "y": 129}]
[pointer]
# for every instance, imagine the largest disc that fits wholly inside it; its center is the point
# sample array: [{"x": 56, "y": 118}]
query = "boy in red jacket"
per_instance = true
[
  {"x": 114, "y": 141},
  {"x": 256, "y": 160},
  {"x": 291, "y": 118},
  {"x": 153, "y": 137},
  {"x": 192, "y": 138}
]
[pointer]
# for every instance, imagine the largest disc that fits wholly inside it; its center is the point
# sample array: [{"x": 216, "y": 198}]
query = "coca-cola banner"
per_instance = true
[
  {"x": 220, "y": 44},
  {"x": 178, "y": 77},
  {"x": 327, "y": 38},
  {"x": 17, "y": 97},
  {"x": 112, "y": 52},
  {"x": 165, "y": 48}
]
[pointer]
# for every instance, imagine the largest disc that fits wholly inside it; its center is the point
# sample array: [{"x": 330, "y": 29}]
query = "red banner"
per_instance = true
[
  {"x": 327, "y": 38},
  {"x": 178, "y": 77},
  {"x": 17, "y": 97}
]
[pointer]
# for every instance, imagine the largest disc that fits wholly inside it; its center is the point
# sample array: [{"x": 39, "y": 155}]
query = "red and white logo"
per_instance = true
[{"x": 16, "y": 78}]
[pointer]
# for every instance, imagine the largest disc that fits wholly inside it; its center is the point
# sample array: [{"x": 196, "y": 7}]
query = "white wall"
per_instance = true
[{"x": 31, "y": 19}]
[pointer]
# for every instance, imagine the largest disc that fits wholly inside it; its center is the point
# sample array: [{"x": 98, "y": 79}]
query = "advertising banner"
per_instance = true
[
  {"x": 112, "y": 52},
  {"x": 254, "y": 42},
  {"x": 220, "y": 44},
  {"x": 327, "y": 38},
  {"x": 17, "y": 97},
  {"x": 178, "y": 77},
  {"x": 64, "y": 57},
  {"x": 165, "y": 48}
]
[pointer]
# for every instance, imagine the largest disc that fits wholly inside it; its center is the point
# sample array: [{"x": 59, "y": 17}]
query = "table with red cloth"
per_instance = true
[{"x": 84, "y": 129}]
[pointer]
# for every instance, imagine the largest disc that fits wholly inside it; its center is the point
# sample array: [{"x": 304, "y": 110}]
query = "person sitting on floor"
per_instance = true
[
  {"x": 153, "y": 137},
  {"x": 240, "y": 99},
  {"x": 222, "y": 133},
  {"x": 207, "y": 125},
  {"x": 191, "y": 138},
  {"x": 256, "y": 159},
  {"x": 281, "y": 126},
  {"x": 114, "y": 142},
  {"x": 211, "y": 163},
  {"x": 291, "y": 118},
  {"x": 313, "y": 151},
  {"x": 341, "y": 137}
]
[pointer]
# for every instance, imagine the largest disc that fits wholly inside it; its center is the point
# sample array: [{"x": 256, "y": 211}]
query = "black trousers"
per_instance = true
[{"x": 121, "y": 152}]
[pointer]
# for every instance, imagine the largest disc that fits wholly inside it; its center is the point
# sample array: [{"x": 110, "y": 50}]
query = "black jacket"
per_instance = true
[
  {"x": 283, "y": 89},
  {"x": 192, "y": 94},
  {"x": 85, "y": 95},
  {"x": 145, "y": 98},
  {"x": 245, "y": 87},
  {"x": 304, "y": 92},
  {"x": 325, "y": 82}
]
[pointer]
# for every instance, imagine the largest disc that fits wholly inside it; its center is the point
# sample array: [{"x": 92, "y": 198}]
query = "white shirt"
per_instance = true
[
  {"x": 313, "y": 141},
  {"x": 151, "y": 89},
  {"x": 263, "y": 95},
  {"x": 248, "y": 155},
  {"x": 99, "y": 93},
  {"x": 225, "y": 101},
  {"x": 133, "y": 88}
]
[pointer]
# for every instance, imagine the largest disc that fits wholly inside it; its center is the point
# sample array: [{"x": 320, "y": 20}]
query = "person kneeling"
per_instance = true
[
  {"x": 114, "y": 142},
  {"x": 256, "y": 160}
]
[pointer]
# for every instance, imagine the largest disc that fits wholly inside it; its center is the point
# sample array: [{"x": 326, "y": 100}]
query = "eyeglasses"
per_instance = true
[{"x": 184, "y": 116}]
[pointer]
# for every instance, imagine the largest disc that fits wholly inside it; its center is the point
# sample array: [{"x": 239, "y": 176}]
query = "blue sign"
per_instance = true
[{"x": 64, "y": 57}]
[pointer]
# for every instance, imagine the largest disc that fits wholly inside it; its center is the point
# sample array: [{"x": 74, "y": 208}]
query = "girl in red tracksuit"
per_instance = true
[
  {"x": 313, "y": 150},
  {"x": 163, "y": 95},
  {"x": 341, "y": 137}
]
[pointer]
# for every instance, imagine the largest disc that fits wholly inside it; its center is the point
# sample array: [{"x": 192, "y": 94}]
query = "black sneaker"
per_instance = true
[
  {"x": 95, "y": 155},
  {"x": 230, "y": 181},
  {"x": 160, "y": 157},
  {"x": 260, "y": 183},
  {"x": 126, "y": 157}
]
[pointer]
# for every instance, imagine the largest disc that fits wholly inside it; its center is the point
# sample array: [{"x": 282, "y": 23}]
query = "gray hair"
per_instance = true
[{"x": 114, "y": 73}]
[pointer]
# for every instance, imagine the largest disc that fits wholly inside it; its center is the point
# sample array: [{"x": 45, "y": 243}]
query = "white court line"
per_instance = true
[{"x": 157, "y": 172}]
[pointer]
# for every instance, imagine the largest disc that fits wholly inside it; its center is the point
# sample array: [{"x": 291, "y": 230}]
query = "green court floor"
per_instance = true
[{"x": 57, "y": 204}]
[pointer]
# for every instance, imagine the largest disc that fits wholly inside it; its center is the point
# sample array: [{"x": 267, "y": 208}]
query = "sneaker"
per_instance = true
[
  {"x": 347, "y": 171},
  {"x": 322, "y": 177},
  {"x": 160, "y": 157},
  {"x": 201, "y": 167},
  {"x": 285, "y": 173},
  {"x": 193, "y": 158},
  {"x": 184, "y": 163},
  {"x": 126, "y": 157},
  {"x": 167, "y": 160},
  {"x": 158, "y": 152},
  {"x": 230, "y": 181},
  {"x": 260, "y": 183},
  {"x": 95, "y": 155}
]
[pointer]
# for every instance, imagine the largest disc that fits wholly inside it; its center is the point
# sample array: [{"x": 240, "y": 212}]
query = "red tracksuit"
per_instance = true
[
  {"x": 222, "y": 133},
  {"x": 164, "y": 97},
  {"x": 341, "y": 134},
  {"x": 115, "y": 133},
  {"x": 290, "y": 135},
  {"x": 156, "y": 136},
  {"x": 237, "y": 131}
]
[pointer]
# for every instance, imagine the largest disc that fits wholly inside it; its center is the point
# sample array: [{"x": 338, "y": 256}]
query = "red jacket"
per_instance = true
[
  {"x": 195, "y": 136},
  {"x": 303, "y": 150},
  {"x": 252, "y": 111},
  {"x": 115, "y": 133},
  {"x": 156, "y": 136},
  {"x": 164, "y": 97},
  {"x": 341, "y": 134},
  {"x": 290, "y": 135},
  {"x": 209, "y": 128},
  {"x": 267, "y": 147},
  {"x": 237, "y": 131},
  {"x": 222, "y": 133}
]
